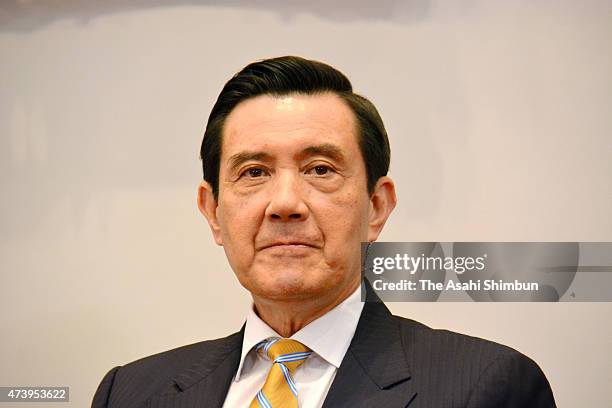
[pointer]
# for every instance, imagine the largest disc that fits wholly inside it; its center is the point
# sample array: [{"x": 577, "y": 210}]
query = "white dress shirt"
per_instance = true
[{"x": 328, "y": 337}]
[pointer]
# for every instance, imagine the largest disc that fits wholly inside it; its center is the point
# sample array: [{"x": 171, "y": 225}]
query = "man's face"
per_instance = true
[{"x": 293, "y": 205}]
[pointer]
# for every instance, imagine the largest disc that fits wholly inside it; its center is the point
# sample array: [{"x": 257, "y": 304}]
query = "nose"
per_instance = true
[{"x": 287, "y": 199}]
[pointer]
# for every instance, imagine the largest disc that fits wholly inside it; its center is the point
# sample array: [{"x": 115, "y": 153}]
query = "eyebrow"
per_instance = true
[
  {"x": 242, "y": 157},
  {"x": 325, "y": 149}
]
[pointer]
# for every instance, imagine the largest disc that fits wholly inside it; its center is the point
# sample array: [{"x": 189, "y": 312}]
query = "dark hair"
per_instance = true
[{"x": 287, "y": 75}]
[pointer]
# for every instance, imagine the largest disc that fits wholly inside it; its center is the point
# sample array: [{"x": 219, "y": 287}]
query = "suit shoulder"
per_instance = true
[
  {"x": 139, "y": 379},
  {"x": 184, "y": 355},
  {"x": 476, "y": 371},
  {"x": 421, "y": 337}
]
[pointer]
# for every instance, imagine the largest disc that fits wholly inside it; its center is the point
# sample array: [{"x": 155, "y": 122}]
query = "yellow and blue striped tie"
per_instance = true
[{"x": 279, "y": 390}]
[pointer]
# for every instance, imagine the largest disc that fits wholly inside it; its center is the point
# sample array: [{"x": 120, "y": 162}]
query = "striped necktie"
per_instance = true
[{"x": 279, "y": 390}]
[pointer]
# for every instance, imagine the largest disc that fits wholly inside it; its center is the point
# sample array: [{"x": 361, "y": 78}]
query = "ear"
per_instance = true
[
  {"x": 382, "y": 202},
  {"x": 208, "y": 207}
]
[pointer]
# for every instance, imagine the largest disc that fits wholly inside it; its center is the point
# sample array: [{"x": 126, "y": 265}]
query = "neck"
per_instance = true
[{"x": 287, "y": 317}]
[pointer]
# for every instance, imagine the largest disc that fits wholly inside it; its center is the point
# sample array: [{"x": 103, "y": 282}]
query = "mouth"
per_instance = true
[
  {"x": 289, "y": 245},
  {"x": 286, "y": 250}
]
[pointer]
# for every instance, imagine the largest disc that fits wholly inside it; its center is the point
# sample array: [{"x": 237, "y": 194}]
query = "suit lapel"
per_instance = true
[
  {"x": 374, "y": 371},
  {"x": 206, "y": 383}
]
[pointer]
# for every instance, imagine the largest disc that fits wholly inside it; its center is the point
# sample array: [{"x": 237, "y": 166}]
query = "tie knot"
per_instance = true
[{"x": 284, "y": 351}]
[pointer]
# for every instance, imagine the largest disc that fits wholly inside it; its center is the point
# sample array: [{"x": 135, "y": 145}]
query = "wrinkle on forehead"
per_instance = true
[{"x": 318, "y": 113}]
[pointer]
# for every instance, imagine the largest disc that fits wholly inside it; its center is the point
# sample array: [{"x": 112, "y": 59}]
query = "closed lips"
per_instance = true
[{"x": 289, "y": 243}]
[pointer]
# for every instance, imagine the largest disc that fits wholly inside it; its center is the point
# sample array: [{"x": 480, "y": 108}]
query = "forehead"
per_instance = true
[{"x": 289, "y": 122}]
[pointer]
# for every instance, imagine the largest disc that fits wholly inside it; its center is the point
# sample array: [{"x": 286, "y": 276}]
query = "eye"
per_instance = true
[
  {"x": 253, "y": 172},
  {"x": 320, "y": 170}
]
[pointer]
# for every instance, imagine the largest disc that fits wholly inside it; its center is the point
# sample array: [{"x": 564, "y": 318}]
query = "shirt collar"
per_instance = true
[{"x": 338, "y": 324}]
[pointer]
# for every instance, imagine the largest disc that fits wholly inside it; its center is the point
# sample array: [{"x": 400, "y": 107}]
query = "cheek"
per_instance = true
[
  {"x": 344, "y": 220},
  {"x": 239, "y": 221}
]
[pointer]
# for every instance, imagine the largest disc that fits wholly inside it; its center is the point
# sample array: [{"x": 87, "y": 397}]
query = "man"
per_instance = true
[{"x": 295, "y": 180}]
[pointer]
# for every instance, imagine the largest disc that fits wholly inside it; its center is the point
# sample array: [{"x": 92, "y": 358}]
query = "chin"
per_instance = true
[{"x": 289, "y": 285}]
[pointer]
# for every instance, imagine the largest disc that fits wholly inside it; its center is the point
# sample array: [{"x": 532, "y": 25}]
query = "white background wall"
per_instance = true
[{"x": 498, "y": 114}]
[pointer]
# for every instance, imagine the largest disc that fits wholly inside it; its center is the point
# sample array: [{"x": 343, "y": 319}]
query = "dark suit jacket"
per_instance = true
[{"x": 391, "y": 362}]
